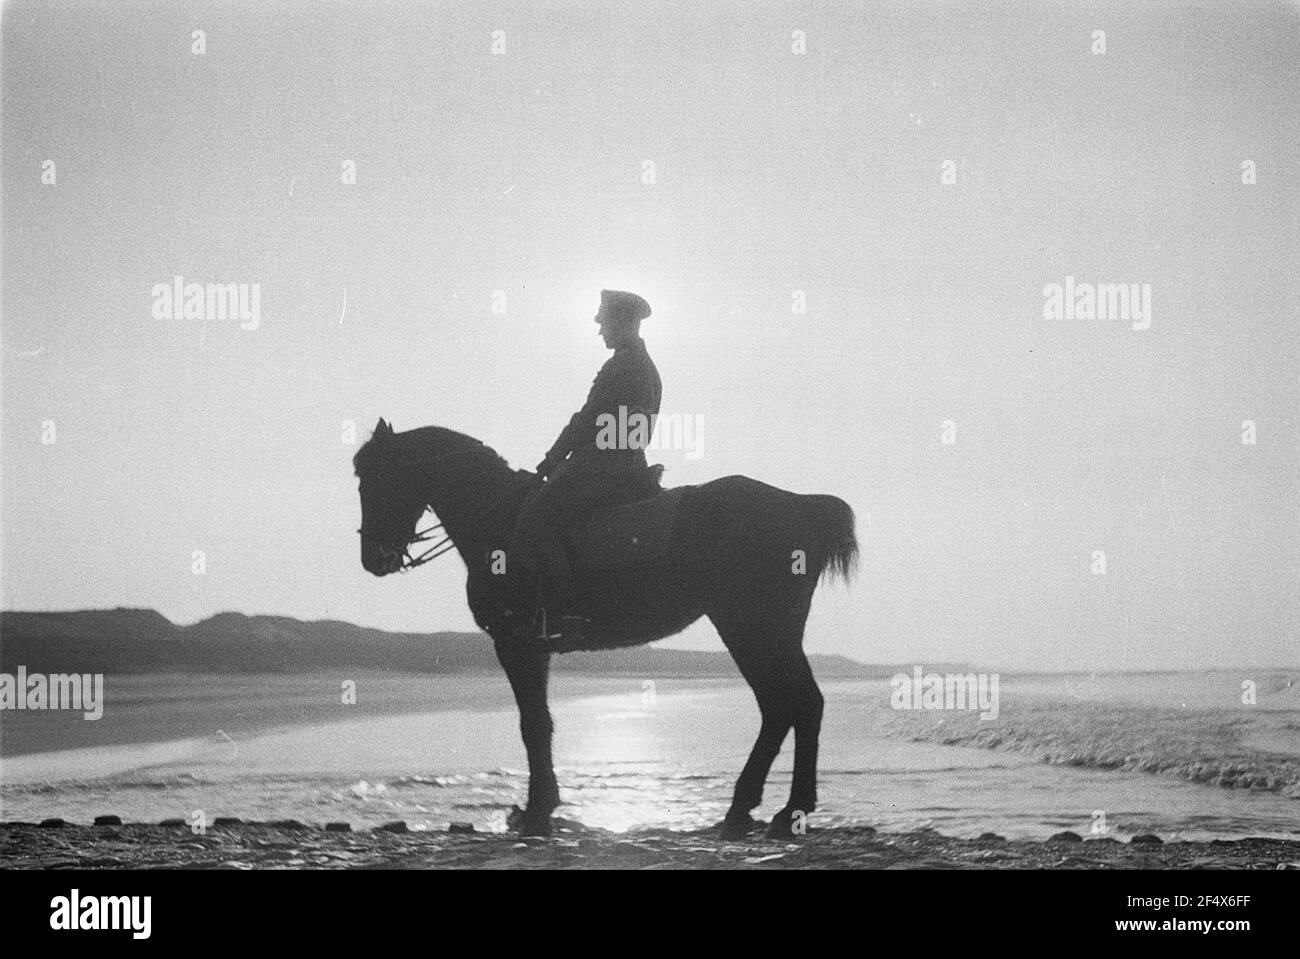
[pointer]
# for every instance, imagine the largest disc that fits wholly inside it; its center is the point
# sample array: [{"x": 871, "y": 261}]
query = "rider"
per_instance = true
[{"x": 582, "y": 475}]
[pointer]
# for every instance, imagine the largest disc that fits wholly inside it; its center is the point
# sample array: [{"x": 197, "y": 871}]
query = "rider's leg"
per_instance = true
[
  {"x": 568, "y": 497},
  {"x": 539, "y": 526}
]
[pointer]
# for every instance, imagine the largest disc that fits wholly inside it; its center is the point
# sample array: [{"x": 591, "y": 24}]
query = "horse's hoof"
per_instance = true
[
  {"x": 787, "y": 824},
  {"x": 528, "y": 823},
  {"x": 535, "y": 826},
  {"x": 737, "y": 826}
]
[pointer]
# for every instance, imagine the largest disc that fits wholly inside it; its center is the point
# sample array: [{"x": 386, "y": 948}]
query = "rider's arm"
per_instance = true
[{"x": 582, "y": 426}]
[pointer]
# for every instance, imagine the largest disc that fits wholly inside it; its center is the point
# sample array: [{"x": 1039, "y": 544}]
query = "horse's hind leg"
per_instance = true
[
  {"x": 777, "y": 718},
  {"x": 767, "y": 646},
  {"x": 806, "y": 703}
]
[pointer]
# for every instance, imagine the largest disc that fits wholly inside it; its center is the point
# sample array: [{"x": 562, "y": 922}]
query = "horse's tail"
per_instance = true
[{"x": 833, "y": 519}]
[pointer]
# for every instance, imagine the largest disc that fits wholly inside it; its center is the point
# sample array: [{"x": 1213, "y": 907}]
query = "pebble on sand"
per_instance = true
[
  {"x": 460, "y": 827},
  {"x": 290, "y": 825},
  {"x": 1146, "y": 839},
  {"x": 108, "y": 820},
  {"x": 338, "y": 827},
  {"x": 54, "y": 823},
  {"x": 1066, "y": 836},
  {"x": 395, "y": 826}
]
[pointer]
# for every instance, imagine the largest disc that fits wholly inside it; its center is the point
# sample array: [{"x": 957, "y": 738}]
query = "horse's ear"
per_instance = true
[{"x": 382, "y": 427}]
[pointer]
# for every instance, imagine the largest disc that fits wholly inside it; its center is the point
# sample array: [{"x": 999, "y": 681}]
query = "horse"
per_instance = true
[{"x": 745, "y": 554}]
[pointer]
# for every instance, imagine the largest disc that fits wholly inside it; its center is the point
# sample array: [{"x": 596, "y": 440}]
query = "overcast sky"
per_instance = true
[{"x": 774, "y": 171}]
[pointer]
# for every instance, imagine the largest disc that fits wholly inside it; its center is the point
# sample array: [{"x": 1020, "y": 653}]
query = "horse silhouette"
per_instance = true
[{"x": 745, "y": 554}]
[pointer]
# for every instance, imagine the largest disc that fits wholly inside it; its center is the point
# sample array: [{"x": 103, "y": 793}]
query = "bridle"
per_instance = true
[
  {"x": 409, "y": 562},
  {"x": 444, "y": 544}
]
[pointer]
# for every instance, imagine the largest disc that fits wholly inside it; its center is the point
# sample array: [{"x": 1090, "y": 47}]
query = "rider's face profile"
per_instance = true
[{"x": 612, "y": 333}]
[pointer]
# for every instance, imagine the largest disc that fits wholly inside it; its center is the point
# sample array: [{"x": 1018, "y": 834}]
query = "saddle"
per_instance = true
[
  {"x": 624, "y": 535},
  {"x": 634, "y": 528},
  {"x": 644, "y": 485}
]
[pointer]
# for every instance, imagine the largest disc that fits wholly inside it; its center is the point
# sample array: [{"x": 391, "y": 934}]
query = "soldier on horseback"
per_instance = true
[
  {"x": 583, "y": 471},
  {"x": 725, "y": 553}
]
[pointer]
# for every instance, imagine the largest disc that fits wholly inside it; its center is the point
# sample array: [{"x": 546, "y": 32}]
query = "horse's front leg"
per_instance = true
[{"x": 528, "y": 667}]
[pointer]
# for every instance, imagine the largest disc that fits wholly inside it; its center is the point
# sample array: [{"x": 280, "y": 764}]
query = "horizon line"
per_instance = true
[{"x": 461, "y": 632}]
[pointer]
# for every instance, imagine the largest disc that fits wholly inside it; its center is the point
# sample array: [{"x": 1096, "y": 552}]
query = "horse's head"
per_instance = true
[{"x": 391, "y": 503}]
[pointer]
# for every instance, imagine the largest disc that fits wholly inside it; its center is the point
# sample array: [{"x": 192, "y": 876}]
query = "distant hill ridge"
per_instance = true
[{"x": 130, "y": 641}]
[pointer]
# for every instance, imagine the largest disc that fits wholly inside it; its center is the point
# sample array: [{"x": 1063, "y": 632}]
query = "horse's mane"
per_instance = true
[{"x": 381, "y": 447}]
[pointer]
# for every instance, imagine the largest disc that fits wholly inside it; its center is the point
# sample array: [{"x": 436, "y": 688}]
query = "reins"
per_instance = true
[{"x": 444, "y": 544}]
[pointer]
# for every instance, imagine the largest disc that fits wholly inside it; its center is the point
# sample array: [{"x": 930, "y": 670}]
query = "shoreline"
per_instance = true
[
  {"x": 234, "y": 844},
  {"x": 51, "y": 733}
]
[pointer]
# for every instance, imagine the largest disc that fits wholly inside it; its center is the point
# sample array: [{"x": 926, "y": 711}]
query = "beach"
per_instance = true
[
  {"x": 1149, "y": 770},
  {"x": 573, "y": 846}
]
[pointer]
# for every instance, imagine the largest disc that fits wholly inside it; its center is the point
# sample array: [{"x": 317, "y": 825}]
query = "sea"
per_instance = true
[{"x": 1193, "y": 756}]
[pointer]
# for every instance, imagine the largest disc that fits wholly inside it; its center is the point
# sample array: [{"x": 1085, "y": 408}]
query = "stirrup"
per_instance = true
[{"x": 544, "y": 631}]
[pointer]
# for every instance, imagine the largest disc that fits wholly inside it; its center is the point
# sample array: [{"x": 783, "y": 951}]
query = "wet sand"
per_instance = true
[{"x": 293, "y": 845}]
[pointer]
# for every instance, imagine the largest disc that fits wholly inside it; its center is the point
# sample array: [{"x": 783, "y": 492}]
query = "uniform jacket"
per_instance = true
[{"x": 628, "y": 379}]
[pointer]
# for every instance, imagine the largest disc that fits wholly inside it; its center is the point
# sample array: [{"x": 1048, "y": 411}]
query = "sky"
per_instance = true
[{"x": 727, "y": 161}]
